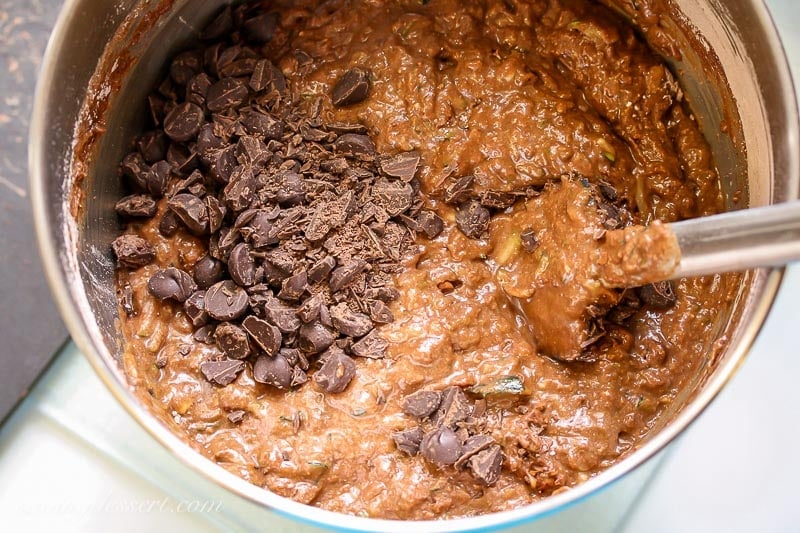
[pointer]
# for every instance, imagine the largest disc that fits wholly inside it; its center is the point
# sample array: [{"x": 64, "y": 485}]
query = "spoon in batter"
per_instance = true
[{"x": 562, "y": 273}]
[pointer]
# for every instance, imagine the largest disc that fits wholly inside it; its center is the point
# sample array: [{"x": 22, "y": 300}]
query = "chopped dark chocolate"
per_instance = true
[
  {"x": 408, "y": 440},
  {"x": 422, "y": 403},
  {"x": 136, "y": 206},
  {"x": 315, "y": 337},
  {"x": 241, "y": 266},
  {"x": 348, "y": 322},
  {"x": 195, "y": 308},
  {"x": 336, "y": 372},
  {"x": 192, "y": 211},
  {"x": 265, "y": 335},
  {"x": 402, "y": 166},
  {"x": 221, "y": 372},
  {"x": 232, "y": 340},
  {"x": 371, "y": 346},
  {"x": 487, "y": 464},
  {"x": 132, "y": 251},
  {"x": 454, "y": 408},
  {"x": 473, "y": 219},
  {"x": 352, "y": 88}
]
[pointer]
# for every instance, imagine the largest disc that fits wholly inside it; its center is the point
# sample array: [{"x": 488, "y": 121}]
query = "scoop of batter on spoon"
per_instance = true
[{"x": 561, "y": 255}]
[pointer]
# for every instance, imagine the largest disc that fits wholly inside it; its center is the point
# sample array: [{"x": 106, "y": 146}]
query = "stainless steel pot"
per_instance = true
[{"x": 104, "y": 56}]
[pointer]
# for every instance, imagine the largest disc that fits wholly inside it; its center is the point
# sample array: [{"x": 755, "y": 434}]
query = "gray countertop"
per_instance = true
[{"x": 31, "y": 329}]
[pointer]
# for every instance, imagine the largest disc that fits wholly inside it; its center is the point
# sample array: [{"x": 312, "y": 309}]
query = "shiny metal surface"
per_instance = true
[
  {"x": 736, "y": 241},
  {"x": 759, "y": 159}
]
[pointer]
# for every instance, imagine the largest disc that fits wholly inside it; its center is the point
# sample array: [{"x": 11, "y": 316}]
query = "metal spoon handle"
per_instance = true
[{"x": 739, "y": 240}]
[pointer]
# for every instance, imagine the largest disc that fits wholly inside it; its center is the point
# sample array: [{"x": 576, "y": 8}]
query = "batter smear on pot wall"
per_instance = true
[{"x": 311, "y": 272}]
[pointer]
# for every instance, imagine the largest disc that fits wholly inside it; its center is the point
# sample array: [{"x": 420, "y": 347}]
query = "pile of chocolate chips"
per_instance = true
[
  {"x": 451, "y": 432},
  {"x": 305, "y": 223}
]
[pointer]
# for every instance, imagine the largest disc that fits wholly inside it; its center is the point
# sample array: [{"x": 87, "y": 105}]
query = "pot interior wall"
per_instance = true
[{"x": 743, "y": 120}]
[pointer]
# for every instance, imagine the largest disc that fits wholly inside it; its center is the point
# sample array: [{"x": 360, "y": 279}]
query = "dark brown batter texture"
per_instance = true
[{"x": 510, "y": 95}]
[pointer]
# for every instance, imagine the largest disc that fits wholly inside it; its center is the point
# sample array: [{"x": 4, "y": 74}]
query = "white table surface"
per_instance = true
[{"x": 72, "y": 460}]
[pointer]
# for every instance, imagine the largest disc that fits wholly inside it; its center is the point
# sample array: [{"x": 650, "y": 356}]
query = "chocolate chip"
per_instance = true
[
  {"x": 169, "y": 223},
  {"x": 221, "y": 372},
  {"x": 352, "y": 88},
  {"x": 171, "y": 284},
  {"x": 372, "y": 346},
  {"x": 497, "y": 199},
  {"x": 294, "y": 287},
  {"x": 224, "y": 94},
  {"x": 158, "y": 178},
  {"x": 472, "y": 446},
  {"x": 310, "y": 309},
  {"x": 529, "y": 240},
  {"x": 460, "y": 190},
  {"x": 205, "y": 334},
  {"x": 196, "y": 91},
  {"x": 408, "y": 440},
  {"x": 441, "y": 446},
  {"x": 473, "y": 219},
  {"x": 241, "y": 189},
  {"x": 281, "y": 316},
  {"x": 429, "y": 223},
  {"x": 265, "y": 75},
  {"x": 185, "y": 66},
  {"x": 486, "y": 465},
  {"x": 232, "y": 340},
  {"x": 183, "y": 122},
  {"x": 260, "y": 231},
  {"x": 355, "y": 146},
  {"x": 261, "y": 28},
  {"x": 402, "y": 166},
  {"x": 608, "y": 191},
  {"x": 394, "y": 197},
  {"x": 256, "y": 123},
  {"x": 192, "y": 211},
  {"x": 195, "y": 308},
  {"x": 135, "y": 168},
  {"x": 315, "y": 337},
  {"x": 380, "y": 313},
  {"x": 224, "y": 164},
  {"x": 273, "y": 370},
  {"x": 299, "y": 377},
  {"x": 241, "y": 266},
  {"x": 336, "y": 372},
  {"x": 348, "y": 322},
  {"x": 265, "y": 335},
  {"x": 659, "y": 295},
  {"x": 132, "y": 251},
  {"x": 292, "y": 189},
  {"x": 216, "y": 213},
  {"x": 454, "y": 408},
  {"x": 207, "y": 271},
  {"x": 226, "y": 301},
  {"x": 321, "y": 269},
  {"x": 346, "y": 274},
  {"x": 422, "y": 404},
  {"x": 152, "y": 145},
  {"x": 136, "y": 206}
]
